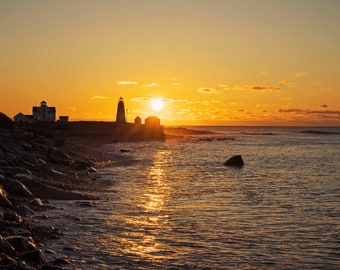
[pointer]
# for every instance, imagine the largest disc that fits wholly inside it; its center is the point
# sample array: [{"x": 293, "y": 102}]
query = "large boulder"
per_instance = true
[
  {"x": 35, "y": 256},
  {"x": 21, "y": 244},
  {"x": 236, "y": 161}
]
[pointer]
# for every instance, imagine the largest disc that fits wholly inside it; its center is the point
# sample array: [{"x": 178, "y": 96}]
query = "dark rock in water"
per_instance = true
[
  {"x": 3, "y": 199},
  {"x": 18, "y": 188},
  {"x": 125, "y": 150},
  {"x": 234, "y": 161},
  {"x": 21, "y": 244},
  {"x": 6, "y": 247},
  {"x": 34, "y": 256}
]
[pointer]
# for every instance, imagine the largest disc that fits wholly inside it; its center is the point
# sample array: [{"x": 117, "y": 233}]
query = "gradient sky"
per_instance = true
[{"x": 213, "y": 62}]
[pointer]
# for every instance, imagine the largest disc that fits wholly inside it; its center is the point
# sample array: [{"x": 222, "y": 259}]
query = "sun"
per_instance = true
[{"x": 157, "y": 104}]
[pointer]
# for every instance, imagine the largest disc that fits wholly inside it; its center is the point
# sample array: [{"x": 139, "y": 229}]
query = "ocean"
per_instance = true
[{"x": 174, "y": 205}]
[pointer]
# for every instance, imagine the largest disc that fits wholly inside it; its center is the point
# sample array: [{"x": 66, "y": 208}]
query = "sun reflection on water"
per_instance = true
[{"x": 142, "y": 239}]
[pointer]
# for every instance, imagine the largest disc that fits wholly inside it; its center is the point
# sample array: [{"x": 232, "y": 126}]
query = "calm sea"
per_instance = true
[{"x": 174, "y": 205}]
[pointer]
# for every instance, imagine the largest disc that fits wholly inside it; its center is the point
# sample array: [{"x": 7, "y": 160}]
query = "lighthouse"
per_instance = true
[{"x": 120, "y": 118}]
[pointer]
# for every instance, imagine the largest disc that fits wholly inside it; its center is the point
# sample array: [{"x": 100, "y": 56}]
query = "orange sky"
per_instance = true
[{"x": 213, "y": 62}]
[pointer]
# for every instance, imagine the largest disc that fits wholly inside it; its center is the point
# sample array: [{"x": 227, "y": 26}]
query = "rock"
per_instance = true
[
  {"x": 13, "y": 170},
  {"x": 11, "y": 158},
  {"x": 35, "y": 256},
  {"x": 20, "y": 231},
  {"x": 236, "y": 161},
  {"x": 51, "y": 267},
  {"x": 82, "y": 164},
  {"x": 3, "y": 199},
  {"x": 18, "y": 132},
  {"x": 58, "y": 156},
  {"x": 61, "y": 261},
  {"x": 12, "y": 147},
  {"x": 21, "y": 244},
  {"x": 25, "y": 211},
  {"x": 7, "y": 262},
  {"x": 25, "y": 177},
  {"x": 36, "y": 202},
  {"x": 6, "y": 247},
  {"x": 18, "y": 188},
  {"x": 12, "y": 216},
  {"x": 92, "y": 170}
]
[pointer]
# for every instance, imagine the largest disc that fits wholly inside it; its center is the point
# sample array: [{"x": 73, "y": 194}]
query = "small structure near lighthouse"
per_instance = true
[{"x": 120, "y": 117}]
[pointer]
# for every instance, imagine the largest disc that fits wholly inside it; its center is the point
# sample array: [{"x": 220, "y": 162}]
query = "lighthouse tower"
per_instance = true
[{"x": 120, "y": 118}]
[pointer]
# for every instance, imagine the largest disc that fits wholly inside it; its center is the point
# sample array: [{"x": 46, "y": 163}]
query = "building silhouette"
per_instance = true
[
  {"x": 120, "y": 117},
  {"x": 44, "y": 113},
  {"x": 40, "y": 114}
]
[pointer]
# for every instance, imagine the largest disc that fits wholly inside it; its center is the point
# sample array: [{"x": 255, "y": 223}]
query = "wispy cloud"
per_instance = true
[
  {"x": 286, "y": 83},
  {"x": 140, "y": 99},
  {"x": 153, "y": 84},
  {"x": 99, "y": 97},
  {"x": 205, "y": 90},
  {"x": 143, "y": 99},
  {"x": 257, "y": 88},
  {"x": 175, "y": 84},
  {"x": 300, "y": 74},
  {"x": 127, "y": 82},
  {"x": 308, "y": 112},
  {"x": 264, "y": 72}
]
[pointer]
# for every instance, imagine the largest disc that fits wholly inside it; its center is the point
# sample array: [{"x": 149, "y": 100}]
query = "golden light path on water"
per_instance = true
[{"x": 142, "y": 240}]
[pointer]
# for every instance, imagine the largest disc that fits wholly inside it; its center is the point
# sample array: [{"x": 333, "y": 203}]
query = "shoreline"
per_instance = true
[
  {"x": 32, "y": 172},
  {"x": 39, "y": 172}
]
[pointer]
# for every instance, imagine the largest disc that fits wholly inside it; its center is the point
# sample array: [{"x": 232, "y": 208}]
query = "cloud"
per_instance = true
[
  {"x": 153, "y": 84},
  {"x": 140, "y": 99},
  {"x": 205, "y": 90},
  {"x": 257, "y": 88},
  {"x": 286, "y": 83},
  {"x": 309, "y": 112},
  {"x": 127, "y": 82},
  {"x": 300, "y": 74},
  {"x": 324, "y": 106},
  {"x": 143, "y": 99},
  {"x": 99, "y": 97},
  {"x": 264, "y": 72},
  {"x": 175, "y": 84}
]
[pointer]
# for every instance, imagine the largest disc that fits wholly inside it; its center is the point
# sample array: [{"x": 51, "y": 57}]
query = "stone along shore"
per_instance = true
[{"x": 33, "y": 171}]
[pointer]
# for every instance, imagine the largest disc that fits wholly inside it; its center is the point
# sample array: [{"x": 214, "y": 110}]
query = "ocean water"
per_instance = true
[{"x": 174, "y": 205}]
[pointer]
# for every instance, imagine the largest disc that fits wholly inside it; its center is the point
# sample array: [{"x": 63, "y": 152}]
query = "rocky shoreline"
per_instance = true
[{"x": 33, "y": 171}]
